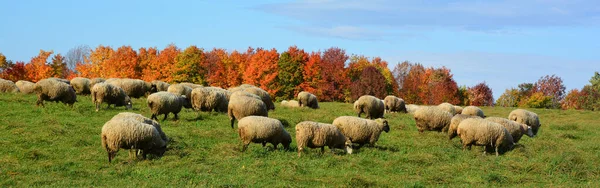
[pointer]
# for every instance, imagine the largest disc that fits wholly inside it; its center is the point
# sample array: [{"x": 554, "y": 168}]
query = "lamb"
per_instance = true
[
  {"x": 258, "y": 129},
  {"x": 164, "y": 103},
  {"x": 160, "y": 85},
  {"x": 128, "y": 133},
  {"x": 473, "y": 111},
  {"x": 447, "y": 107},
  {"x": 432, "y": 118},
  {"x": 458, "y": 109},
  {"x": 7, "y": 86},
  {"x": 266, "y": 98},
  {"x": 290, "y": 103},
  {"x": 135, "y": 88},
  {"x": 370, "y": 105},
  {"x": 111, "y": 94},
  {"x": 394, "y": 104},
  {"x": 314, "y": 135},
  {"x": 244, "y": 104},
  {"x": 81, "y": 85},
  {"x": 526, "y": 117},
  {"x": 484, "y": 133},
  {"x": 515, "y": 129},
  {"x": 209, "y": 98},
  {"x": 25, "y": 87},
  {"x": 412, "y": 108},
  {"x": 361, "y": 131},
  {"x": 54, "y": 90},
  {"x": 145, "y": 120},
  {"x": 306, "y": 99},
  {"x": 94, "y": 81},
  {"x": 455, "y": 121}
]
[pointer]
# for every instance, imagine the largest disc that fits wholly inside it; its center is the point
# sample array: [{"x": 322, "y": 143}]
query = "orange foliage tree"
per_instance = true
[
  {"x": 147, "y": 59},
  {"x": 262, "y": 70},
  {"x": 312, "y": 75},
  {"x": 219, "y": 59},
  {"x": 92, "y": 66},
  {"x": 38, "y": 67},
  {"x": 123, "y": 63},
  {"x": 335, "y": 83}
]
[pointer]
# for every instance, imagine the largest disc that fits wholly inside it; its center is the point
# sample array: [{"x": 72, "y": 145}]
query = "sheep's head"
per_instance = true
[
  {"x": 128, "y": 102},
  {"x": 286, "y": 140},
  {"x": 384, "y": 123},
  {"x": 530, "y": 132},
  {"x": 185, "y": 101}
]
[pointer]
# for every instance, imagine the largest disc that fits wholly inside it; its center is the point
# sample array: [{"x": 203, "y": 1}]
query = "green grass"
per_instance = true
[{"x": 60, "y": 146}]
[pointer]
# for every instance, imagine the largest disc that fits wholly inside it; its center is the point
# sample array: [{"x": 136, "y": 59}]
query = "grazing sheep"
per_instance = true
[
  {"x": 129, "y": 133},
  {"x": 135, "y": 88},
  {"x": 208, "y": 99},
  {"x": 111, "y": 94},
  {"x": 473, "y": 111},
  {"x": 394, "y": 104},
  {"x": 54, "y": 90},
  {"x": 455, "y": 121},
  {"x": 191, "y": 85},
  {"x": 458, "y": 109},
  {"x": 258, "y": 129},
  {"x": 314, "y": 135},
  {"x": 361, "y": 131},
  {"x": 290, "y": 103},
  {"x": 25, "y": 87},
  {"x": 484, "y": 133},
  {"x": 164, "y": 103},
  {"x": 81, "y": 85},
  {"x": 7, "y": 86},
  {"x": 244, "y": 104},
  {"x": 94, "y": 81},
  {"x": 160, "y": 85},
  {"x": 526, "y": 117},
  {"x": 432, "y": 118},
  {"x": 412, "y": 108},
  {"x": 447, "y": 107},
  {"x": 516, "y": 130},
  {"x": 370, "y": 105},
  {"x": 306, "y": 99},
  {"x": 60, "y": 80},
  {"x": 145, "y": 120},
  {"x": 179, "y": 89},
  {"x": 264, "y": 95}
]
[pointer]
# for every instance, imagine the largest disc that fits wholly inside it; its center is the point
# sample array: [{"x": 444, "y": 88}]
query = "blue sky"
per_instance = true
[{"x": 503, "y": 43}]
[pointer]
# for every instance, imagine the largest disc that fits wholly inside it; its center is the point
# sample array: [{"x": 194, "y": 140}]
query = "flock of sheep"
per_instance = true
[{"x": 250, "y": 105}]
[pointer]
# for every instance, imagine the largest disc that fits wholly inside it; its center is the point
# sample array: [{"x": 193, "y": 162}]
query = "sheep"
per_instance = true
[
  {"x": 481, "y": 132},
  {"x": 432, "y": 118},
  {"x": 94, "y": 81},
  {"x": 111, "y": 94},
  {"x": 515, "y": 129},
  {"x": 191, "y": 85},
  {"x": 370, "y": 105},
  {"x": 473, "y": 111},
  {"x": 306, "y": 99},
  {"x": 447, "y": 107},
  {"x": 258, "y": 129},
  {"x": 290, "y": 103},
  {"x": 164, "y": 103},
  {"x": 412, "y": 108},
  {"x": 208, "y": 99},
  {"x": 244, "y": 104},
  {"x": 264, "y": 95},
  {"x": 314, "y": 135},
  {"x": 60, "y": 80},
  {"x": 458, "y": 109},
  {"x": 394, "y": 104},
  {"x": 145, "y": 120},
  {"x": 526, "y": 117},
  {"x": 54, "y": 90},
  {"x": 7, "y": 86},
  {"x": 81, "y": 85},
  {"x": 179, "y": 89},
  {"x": 454, "y": 124},
  {"x": 129, "y": 133},
  {"x": 25, "y": 87},
  {"x": 135, "y": 88},
  {"x": 160, "y": 85},
  {"x": 361, "y": 131}
]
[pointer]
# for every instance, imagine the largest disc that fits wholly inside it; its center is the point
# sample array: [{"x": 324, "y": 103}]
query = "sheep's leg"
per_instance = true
[
  {"x": 154, "y": 117},
  {"x": 176, "y": 117},
  {"x": 497, "y": 154},
  {"x": 300, "y": 150},
  {"x": 97, "y": 107},
  {"x": 244, "y": 147},
  {"x": 275, "y": 146},
  {"x": 165, "y": 116},
  {"x": 484, "y": 149},
  {"x": 109, "y": 157},
  {"x": 232, "y": 120}
]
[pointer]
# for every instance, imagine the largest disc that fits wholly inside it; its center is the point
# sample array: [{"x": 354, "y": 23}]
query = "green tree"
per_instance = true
[
  {"x": 510, "y": 98},
  {"x": 291, "y": 65},
  {"x": 59, "y": 66},
  {"x": 190, "y": 66}
]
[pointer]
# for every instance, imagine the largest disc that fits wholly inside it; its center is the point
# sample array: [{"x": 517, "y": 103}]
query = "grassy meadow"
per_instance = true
[{"x": 59, "y": 146}]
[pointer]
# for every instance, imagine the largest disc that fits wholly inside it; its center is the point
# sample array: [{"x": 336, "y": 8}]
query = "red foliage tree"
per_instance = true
[
  {"x": 371, "y": 82},
  {"x": 411, "y": 86},
  {"x": 333, "y": 74},
  {"x": 262, "y": 70},
  {"x": 312, "y": 75},
  {"x": 573, "y": 100},
  {"x": 218, "y": 58},
  {"x": 15, "y": 72},
  {"x": 481, "y": 95},
  {"x": 551, "y": 86}
]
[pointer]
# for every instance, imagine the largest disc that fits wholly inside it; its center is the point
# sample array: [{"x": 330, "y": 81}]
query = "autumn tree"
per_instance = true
[
  {"x": 262, "y": 70},
  {"x": 312, "y": 75},
  {"x": 38, "y": 67},
  {"x": 371, "y": 82},
  {"x": 510, "y": 98},
  {"x": 124, "y": 63},
  {"x": 158, "y": 65},
  {"x": 219, "y": 59},
  {"x": 15, "y": 72},
  {"x": 573, "y": 100},
  {"x": 413, "y": 84},
  {"x": 551, "y": 86},
  {"x": 537, "y": 100},
  {"x": 235, "y": 67},
  {"x": 335, "y": 83},
  {"x": 290, "y": 76},
  {"x": 190, "y": 66},
  {"x": 400, "y": 73},
  {"x": 463, "y": 96},
  {"x": 92, "y": 66},
  {"x": 481, "y": 95},
  {"x": 4, "y": 64},
  {"x": 440, "y": 87},
  {"x": 77, "y": 55},
  {"x": 59, "y": 66},
  {"x": 147, "y": 62}
]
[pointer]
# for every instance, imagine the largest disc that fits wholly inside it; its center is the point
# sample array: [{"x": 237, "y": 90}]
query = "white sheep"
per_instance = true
[
  {"x": 306, "y": 99},
  {"x": 314, "y": 135},
  {"x": 258, "y": 129},
  {"x": 54, "y": 90},
  {"x": 447, "y": 107},
  {"x": 432, "y": 118},
  {"x": 111, "y": 94},
  {"x": 516, "y": 130},
  {"x": 484, "y": 133},
  {"x": 264, "y": 95},
  {"x": 7, "y": 86},
  {"x": 128, "y": 133},
  {"x": 244, "y": 104},
  {"x": 473, "y": 111},
  {"x": 394, "y": 104},
  {"x": 164, "y": 103},
  {"x": 526, "y": 117},
  {"x": 412, "y": 108},
  {"x": 143, "y": 119},
  {"x": 135, "y": 88},
  {"x": 208, "y": 99},
  {"x": 160, "y": 85},
  {"x": 361, "y": 131},
  {"x": 370, "y": 105},
  {"x": 455, "y": 121},
  {"x": 25, "y": 87},
  {"x": 290, "y": 103},
  {"x": 81, "y": 85}
]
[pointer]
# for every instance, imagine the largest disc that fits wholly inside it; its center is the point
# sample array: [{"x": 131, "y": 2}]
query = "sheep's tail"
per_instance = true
[{"x": 104, "y": 143}]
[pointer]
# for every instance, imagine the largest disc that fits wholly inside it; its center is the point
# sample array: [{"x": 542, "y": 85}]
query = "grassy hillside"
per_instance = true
[{"x": 60, "y": 146}]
